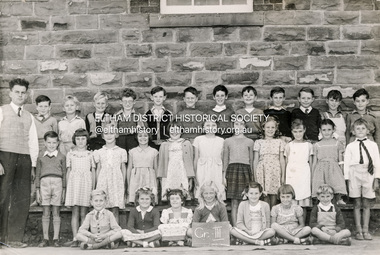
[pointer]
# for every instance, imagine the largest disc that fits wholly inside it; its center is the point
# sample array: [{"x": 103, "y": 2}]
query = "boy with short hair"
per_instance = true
[
  {"x": 326, "y": 219},
  {"x": 187, "y": 116},
  {"x": 44, "y": 121},
  {"x": 51, "y": 186},
  {"x": 252, "y": 116},
  {"x": 362, "y": 170},
  {"x": 361, "y": 101},
  {"x": 310, "y": 116},
  {"x": 95, "y": 119},
  {"x": 277, "y": 96},
  {"x": 158, "y": 117},
  {"x": 221, "y": 112}
]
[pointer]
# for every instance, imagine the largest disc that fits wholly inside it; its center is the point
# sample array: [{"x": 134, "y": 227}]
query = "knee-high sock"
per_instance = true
[
  {"x": 45, "y": 226},
  {"x": 56, "y": 226}
]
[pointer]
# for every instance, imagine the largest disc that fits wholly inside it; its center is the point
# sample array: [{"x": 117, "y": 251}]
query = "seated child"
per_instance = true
[
  {"x": 99, "y": 227},
  {"x": 143, "y": 221},
  {"x": 287, "y": 218},
  {"x": 326, "y": 219},
  {"x": 253, "y": 219},
  {"x": 176, "y": 219}
]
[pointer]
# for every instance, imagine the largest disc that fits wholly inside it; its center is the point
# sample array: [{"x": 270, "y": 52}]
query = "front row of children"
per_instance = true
[{"x": 256, "y": 224}]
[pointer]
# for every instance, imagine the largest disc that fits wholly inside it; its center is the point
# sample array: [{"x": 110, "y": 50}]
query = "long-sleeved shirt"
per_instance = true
[
  {"x": 311, "y": 120},
  {"x": 33, "y": 137},
  {"x": 339, "y": 220},
  {"x": 352, "y": 157},
  {"x": 106, "y": 224},
  {"x": 51, "y": 165},
  {"x": 148, "y": 223}
]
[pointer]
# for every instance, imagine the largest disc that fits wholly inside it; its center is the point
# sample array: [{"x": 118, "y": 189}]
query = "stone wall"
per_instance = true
[{"x": 81, "y": 46}]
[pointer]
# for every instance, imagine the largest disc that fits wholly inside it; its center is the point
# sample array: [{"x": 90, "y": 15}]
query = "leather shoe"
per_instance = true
[
  {"x": 17, "y": 245},
  {"x": 44, "y": 243},
  {"x": 56, "y": 243}
]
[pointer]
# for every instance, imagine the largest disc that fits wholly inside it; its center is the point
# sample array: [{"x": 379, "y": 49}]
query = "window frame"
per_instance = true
[{"x": 202, "y": 9}]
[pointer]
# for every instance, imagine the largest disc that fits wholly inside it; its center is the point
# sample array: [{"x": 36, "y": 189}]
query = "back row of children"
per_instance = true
[{"x": 231, "y": 163}]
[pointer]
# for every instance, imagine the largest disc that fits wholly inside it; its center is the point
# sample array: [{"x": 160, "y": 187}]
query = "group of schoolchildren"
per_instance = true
[{"x": 298, "y": 157}]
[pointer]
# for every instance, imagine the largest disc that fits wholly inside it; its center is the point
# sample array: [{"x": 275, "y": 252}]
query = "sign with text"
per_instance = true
[{"x": 211, "y": 234}]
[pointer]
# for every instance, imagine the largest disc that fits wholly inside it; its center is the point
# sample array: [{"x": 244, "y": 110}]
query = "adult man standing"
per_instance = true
[{"x": 18, "y": 154}]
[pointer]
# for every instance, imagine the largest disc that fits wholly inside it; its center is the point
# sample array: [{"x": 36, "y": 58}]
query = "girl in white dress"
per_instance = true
[
  {"x": 208, "y": 153},
  {"x": 299, "y": 155},
  {"x": 142, "y": 165}
]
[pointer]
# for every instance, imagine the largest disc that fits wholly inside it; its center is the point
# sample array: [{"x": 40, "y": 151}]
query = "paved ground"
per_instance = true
[{"x": 358, "y": 247}]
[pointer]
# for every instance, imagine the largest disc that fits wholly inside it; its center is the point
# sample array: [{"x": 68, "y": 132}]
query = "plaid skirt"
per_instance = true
[{"x": 238, "y": 176}]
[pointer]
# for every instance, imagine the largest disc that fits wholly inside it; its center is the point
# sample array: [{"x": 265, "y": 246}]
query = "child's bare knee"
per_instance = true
[{"x": 357, "y": 203}]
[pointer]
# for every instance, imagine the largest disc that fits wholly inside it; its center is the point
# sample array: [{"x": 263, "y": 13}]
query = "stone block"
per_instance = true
[
  {"x": 284, "y": 33},
  {"x": 173, "y": 79},
  {"x": 263, "y": 7},
  {"x": 357, "y": 32},
  {"x": 341, "y": 18},
  {"x": 187, "y": 64},
  {"x": 370, "y": 47},
  {"x": 358, "y": 62},
  {"x": 297, "y": 4},
  {"x": 105, "y": 79},
  {"x": 356, "y": 5},
  {"x": 255, "y": 63},
  {"x": 170, "y": 50},
  {"x": 293, "y": 18},
  {"x": 124, "y": 64},
  {"x": 20, "y": 67},
  {"x": 279, "y": 77},
  {"x": 63, "y": 23},
  {"x": 36, "y": 52},
  {"x": 347, "y": 92},
  {"x": 139, "y": 3},
  {"x": 220, "y": 64},
  {"x": 370, "y": 17},
  {"x": 242, "y": 78},
  {"x": 153, "y": 9},
  {"x": 107, "y": 7},
  {"x": 138, "y": 79},
  {"x": 70, "y": 80},
  {"x": 108, "y": 50},
  {"x": 315, "y": 77},
  {"x": 34, "y": 24},
  {"x": 87, "y": 22},
  {"x": 12, "y": 53},
  {"x": 154, "y": 65},
  {"x": 55, "y": 95},
  {"x": 208, "y": 78},
  {"x": 225, "y": 33},
  {"x": 205, "y": 49},
  {"x": 250, "y": 33},
  {"x": 22, "y": 38},
  {"x": 377, "y": 76},
  {"x": 73, "y": 51},
  {"x": 9, "y": 23},
  {"x": 323, "y": 62},
  {"x": 343, "y": 47},
  {"x": 54, "y": 65},
  {"x": 290, "y": 63},
  {"x": 87, "y": 65},
  {"x": 354, "y": 76},
  {"x": 269, "y": 48},
  {"x": 375, "y": 32},
  {"x": 16, "y": 9},
  {"x": 323, "y": 33},
  {"x": 308, "y": 48},
  {"x": 157, "y": 35},
  {"x": 79, "y": 37},
  {"x": 110, "y": 21},
  {"x": 56, "y": 8},
  {"x": 139, "y": 50},
  {"x": 35, "y": 81},
  {"x": 77, "y": 7},
  {"x": 235, "y": 48},
  {"x": 132, "y": 35},
  {"x": 328, "y": 5},
  {"x": 194, "y": 34},
  {"x": 134, "y": 21}
]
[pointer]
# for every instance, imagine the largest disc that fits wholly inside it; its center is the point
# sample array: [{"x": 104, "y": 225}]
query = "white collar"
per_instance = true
[
  {"x": 15, "y": 107},
  {"x": 304, "y": 109},
  {"x": 219, "y": 108},
  {"x": 76, "y": 117},
  {"x": 150, "y": 208},
  {"x": 277, "y": 108},
  {"x": 249, "y": 110},
  {"x": 325, "y": 207},
  {"x": 357, "y": 139},
  {"x": 50, "y": 154}
]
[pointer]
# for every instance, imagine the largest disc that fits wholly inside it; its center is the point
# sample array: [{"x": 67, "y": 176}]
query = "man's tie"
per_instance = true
[
  {"x": 306, "y": 111},
  {"x": 370, "y": 163},
  {"x": 97, "y": 215},
  {"x": 19, "y": 112}
]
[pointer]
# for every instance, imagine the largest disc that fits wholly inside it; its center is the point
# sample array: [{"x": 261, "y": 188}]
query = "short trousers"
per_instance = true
[
  {"x": 51, "y": 191},
  {"x": 360, "y": 182}
]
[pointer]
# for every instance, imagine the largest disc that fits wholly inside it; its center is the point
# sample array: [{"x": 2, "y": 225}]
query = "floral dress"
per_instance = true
[
  {"x": 174, "y": 229},
  {"x": 79, "y": 184},
  {"x": 176, "y": 175},
  {"x": 268, "y": 170},
  {"x": 110, "y": 178},
  {"x": 288, "y": 217},
  {"x": 143, "y": 174}
]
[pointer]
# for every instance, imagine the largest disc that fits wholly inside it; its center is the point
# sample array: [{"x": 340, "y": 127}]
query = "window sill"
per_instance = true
[{"x": 206, "y": 20}]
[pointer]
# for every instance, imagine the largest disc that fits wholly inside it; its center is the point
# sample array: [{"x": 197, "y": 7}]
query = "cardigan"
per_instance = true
[
  {"x": 219, "y": 212},
  {"x": 106, "y": 224},
  {"x": 311, "y": 121},
  {"x": 339, "y": 220},
  {"x": 163, "y": 160},
  {"x": 244, "y": 219},
  {"x": 150, "y": 222}
]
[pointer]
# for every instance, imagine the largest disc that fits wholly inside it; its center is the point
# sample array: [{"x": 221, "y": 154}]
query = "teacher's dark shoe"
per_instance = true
[{"x": 44, "y": 243}]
